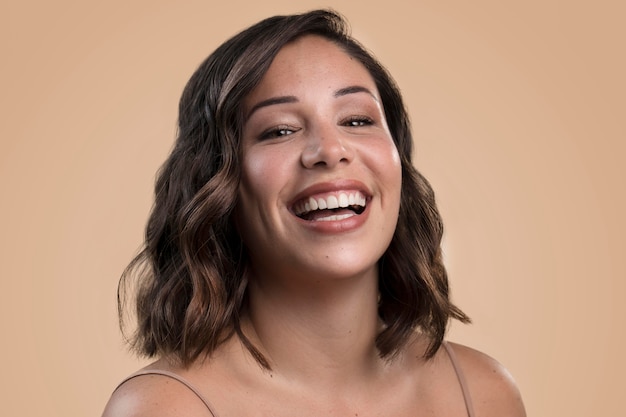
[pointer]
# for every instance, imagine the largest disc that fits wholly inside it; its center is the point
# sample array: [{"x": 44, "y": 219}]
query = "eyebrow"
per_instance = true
[
  {"x": 353, "y": 89},
  {"x": 270, "y": 102}
]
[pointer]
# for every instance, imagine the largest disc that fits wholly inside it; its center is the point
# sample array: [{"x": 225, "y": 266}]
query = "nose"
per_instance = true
[{"x": 326, "y": 148}]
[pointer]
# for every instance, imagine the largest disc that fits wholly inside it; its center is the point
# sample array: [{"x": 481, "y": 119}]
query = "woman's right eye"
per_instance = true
[{"x": 278, "y": 132}]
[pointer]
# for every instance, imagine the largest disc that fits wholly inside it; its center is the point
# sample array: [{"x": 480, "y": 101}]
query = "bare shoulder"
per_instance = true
[
  {"x": 154, "y": 396},
  {"x": 491, "y": 386}
]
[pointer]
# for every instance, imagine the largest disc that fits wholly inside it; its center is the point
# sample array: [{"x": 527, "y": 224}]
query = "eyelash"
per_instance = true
[
  {"x": 358, "y": 121},
  {"x": 277, "y": 132},
  {"x": 281, "y": 131}
]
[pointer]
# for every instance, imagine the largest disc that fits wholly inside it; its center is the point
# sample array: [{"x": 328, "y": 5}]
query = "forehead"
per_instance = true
[{"x": 311, "y": 63}]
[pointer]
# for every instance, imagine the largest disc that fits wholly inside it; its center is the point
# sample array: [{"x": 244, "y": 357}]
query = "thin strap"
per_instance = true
[
  {"x": 461, "y": 377},
  {"x": 177, "y": 378}
]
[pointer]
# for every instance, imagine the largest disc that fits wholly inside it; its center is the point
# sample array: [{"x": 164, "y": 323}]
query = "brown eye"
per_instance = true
[
  {"x": 358, "y": 121},
  {"x": 278, "y": 132}
]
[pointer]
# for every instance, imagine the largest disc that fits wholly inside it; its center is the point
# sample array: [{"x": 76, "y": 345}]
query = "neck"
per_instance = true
[{"x": 322, "y": 331}]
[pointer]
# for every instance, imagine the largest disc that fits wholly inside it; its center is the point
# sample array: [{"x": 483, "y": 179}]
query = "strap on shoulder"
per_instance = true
[
  {"x": 175, "y": 377},
  {"x": 461, "y": 377}
]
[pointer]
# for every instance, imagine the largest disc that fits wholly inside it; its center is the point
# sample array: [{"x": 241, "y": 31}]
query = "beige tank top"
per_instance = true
[{"x": 455, "y": 363}]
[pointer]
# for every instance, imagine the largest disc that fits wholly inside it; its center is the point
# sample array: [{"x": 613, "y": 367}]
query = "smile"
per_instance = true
[{"x": 331, "y": 207}]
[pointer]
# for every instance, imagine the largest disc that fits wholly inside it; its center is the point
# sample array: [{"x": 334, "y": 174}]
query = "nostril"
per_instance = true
[{"x": 325, "y": 152}]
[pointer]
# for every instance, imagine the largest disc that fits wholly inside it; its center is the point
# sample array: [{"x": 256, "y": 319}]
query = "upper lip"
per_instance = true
[{"x": 344, "y": 185}]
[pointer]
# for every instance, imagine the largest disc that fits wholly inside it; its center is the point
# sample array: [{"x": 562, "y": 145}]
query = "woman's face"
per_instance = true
[{"x": 321, "y": 176}]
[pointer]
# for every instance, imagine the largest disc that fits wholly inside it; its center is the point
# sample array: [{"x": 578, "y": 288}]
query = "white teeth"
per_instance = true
[
  {"x": 336, "y": 217},
  {"x": 331, "y": 202},
  {"x": 343, "y": 200}
]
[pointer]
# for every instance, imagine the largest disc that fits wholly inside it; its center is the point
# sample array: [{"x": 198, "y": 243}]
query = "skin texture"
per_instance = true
[
  {"x": 313, "y": 286},
  {"x": 330, "y": 139}
]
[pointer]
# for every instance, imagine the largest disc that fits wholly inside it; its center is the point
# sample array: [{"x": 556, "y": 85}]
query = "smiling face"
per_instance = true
[{"x": 321, "y": 176}]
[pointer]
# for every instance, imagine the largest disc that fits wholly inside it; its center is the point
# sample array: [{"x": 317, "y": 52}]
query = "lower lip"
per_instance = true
[{"x": 336, "y": 226}]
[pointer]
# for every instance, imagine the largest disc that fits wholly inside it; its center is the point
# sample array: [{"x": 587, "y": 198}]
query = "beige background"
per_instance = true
[{"x": 519, "y": 114}]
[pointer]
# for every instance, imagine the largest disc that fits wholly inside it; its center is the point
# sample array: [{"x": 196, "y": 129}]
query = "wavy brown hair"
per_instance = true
[{"x": 189, "y": 281}]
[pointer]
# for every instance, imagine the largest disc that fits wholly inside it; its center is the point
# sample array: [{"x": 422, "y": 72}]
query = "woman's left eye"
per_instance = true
[{"x": 358, "y": 121}]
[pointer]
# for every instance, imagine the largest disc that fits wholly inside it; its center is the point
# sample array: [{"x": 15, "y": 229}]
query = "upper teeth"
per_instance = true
[{"x": 330, "y": 202}]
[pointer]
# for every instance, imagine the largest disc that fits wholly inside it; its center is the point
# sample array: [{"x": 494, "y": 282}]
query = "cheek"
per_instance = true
[
  {"x": 256, "y": 171},
  {"x": 267, "y": 169},
  {"x": 390, "y": 173},
  {"x": 256, "y": 179},
  {"x": 264, "y": 174},
  {"x": 394, "y": 164},
  {"x": 386, "y": 164}
]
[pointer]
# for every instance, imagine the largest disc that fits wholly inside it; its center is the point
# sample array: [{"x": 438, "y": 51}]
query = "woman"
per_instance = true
[{"x": 292, "y": 263}]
